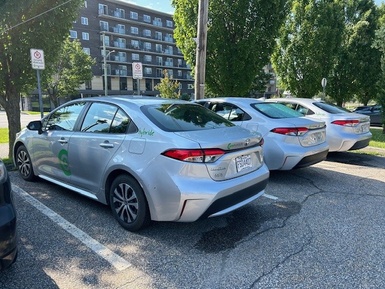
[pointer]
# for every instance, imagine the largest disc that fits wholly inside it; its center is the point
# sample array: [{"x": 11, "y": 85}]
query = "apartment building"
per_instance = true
[{"x": 118, "y": 34}]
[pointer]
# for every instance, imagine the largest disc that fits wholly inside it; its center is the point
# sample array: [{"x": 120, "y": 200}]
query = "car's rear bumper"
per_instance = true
[
  {"x": 345, "y": 142},
  {"x": 312, "y": 159}
]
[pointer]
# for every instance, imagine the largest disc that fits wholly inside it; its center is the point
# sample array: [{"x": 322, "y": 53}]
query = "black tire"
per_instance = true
[
  {"x": 128, "y": 204},
  {"x": 24, "y": 164}
]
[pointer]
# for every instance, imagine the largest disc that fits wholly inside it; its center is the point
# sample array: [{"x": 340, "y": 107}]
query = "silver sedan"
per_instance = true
[
  {"x": 345, "y": 130},
  {"x": 291, "y": 141},
  {"x": 148, "y": 158}
]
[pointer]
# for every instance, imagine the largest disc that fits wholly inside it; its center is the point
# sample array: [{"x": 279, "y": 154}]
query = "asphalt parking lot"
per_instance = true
[{"x": 317, "y": 227}]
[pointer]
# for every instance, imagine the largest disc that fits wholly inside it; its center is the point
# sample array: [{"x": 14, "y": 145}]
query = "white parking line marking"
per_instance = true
[
  {"x": 270, "y": 196},
  {"x": 115, "y": 260}
]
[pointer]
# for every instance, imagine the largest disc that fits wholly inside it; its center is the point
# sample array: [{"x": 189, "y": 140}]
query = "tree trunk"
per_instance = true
[{"x": 12, "y": 109}]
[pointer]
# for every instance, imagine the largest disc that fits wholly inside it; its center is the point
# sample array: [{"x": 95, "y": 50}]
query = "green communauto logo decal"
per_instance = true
[{"x": 63, "y": 160}]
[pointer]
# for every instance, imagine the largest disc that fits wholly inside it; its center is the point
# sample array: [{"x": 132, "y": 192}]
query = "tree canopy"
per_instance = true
[
  {"x": 26, "y": 24},
  {"x": 240, "y": 40},
  {"x": 71, "y": 69}
]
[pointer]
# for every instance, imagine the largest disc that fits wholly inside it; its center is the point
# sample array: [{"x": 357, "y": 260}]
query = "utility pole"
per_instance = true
[{"x": 200, "y": 66}]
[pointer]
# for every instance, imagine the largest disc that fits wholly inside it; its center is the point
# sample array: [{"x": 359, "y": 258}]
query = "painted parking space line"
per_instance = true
[
  {"x": 270, "y": 196},
  {"x": 115, "y": 260}
]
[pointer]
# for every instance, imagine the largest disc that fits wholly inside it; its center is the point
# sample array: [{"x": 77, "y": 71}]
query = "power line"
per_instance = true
[{"x": 36, "y": 16}]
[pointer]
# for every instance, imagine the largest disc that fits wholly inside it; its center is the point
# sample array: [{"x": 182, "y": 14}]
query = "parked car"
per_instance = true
[
  {"x": 148, "y": 158},
  {"x": 373, "y": 111},
  {"x": 345, "y": 130},
  {"x": 8, "y": 234},
  {"x": 291, "y": 141}
]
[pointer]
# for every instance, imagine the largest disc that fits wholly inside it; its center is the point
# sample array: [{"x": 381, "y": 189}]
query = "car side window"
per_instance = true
[
  {"x": 304, "y": 110},
  {"x": 105, "y": 118},
  {"x": 64, "y": 118}
]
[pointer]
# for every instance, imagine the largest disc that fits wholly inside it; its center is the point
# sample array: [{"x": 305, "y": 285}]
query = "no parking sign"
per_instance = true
[
  {"x": 37, "y": 59},
  {"x": 137, "y": 71}
]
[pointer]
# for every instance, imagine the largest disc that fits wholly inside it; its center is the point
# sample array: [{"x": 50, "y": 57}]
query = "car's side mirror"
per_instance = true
[{"x": 35, "y": 125}]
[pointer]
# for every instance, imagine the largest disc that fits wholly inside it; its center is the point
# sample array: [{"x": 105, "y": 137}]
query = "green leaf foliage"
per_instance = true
[
  {"x": 72, "y": 68},
  {"x": 167, "y": 87},
  {"x": 26, "y": 24},
  {"x": 307, "y": 45},
  {"x": 240, "y": 40}
]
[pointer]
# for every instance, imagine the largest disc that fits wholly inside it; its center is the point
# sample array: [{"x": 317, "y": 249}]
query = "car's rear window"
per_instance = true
[
  {"x": 330, "y": 108},
  {"x": 275, "y": 110},
  {"x": 184, "y": 117}
]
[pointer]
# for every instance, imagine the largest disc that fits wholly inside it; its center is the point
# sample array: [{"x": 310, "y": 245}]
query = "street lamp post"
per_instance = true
[{"x": 105, "y": 64}]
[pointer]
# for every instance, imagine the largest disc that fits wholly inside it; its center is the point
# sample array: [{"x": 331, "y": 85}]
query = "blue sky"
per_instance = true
[
  {"x": 165, "y": 5},
  {"x": 159, "y": 5}
]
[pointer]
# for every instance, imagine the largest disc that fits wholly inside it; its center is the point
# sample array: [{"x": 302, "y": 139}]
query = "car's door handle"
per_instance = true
[
  {"x": 63, "y": 141},
  {"x": 107, "y": 145}
]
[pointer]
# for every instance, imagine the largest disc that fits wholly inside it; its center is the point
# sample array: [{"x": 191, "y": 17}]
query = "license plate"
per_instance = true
[{"x": 243, "y": 162}]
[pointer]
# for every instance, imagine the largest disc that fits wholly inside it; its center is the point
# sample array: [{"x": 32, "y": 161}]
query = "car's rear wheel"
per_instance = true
[
  {"x": 24, "y": 164},
  {"x": 128, "y": 203}
]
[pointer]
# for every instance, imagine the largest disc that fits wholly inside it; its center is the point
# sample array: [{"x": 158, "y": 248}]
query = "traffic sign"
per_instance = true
[
  {"x": 37, "y": 58},
  {"x": 137, "y": 70}
]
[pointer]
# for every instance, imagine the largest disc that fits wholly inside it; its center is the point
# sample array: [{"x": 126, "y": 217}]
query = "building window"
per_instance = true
[
  {"x": 148, "y": 70},
  {"x": 148, "y": 58},
  {"x": 84, "y": 20},
  {"x": 135, "y": 43},
  {"x": 169, "y": 23},
  {"x": 123, "y": 83},
  {"x": 134, "y": 30},
  {"x": 85, "y": 4},
  {"x": 159, "y": 48},
  {"x": 147, "y": 33},
  {"x": 147, "y": 18},
  {"x": 169, "y": 62},
  {"x": 147, "y": 46},
  {"x": 123, "y": 70},
  {"x": 103, "y": 25},
  {"x": 103, "y": 9},
  {"x": 135, "y": 56},
  {"x": 106, "y": 40},
  {"x": 159, "y": 60},
  {"x": 168, "y": 37},
  {"x": 122, "y": 56},
  {"x": 85, "y": 36},
  {"x": 180, "y": 62},
  {"x": 148, "y": 84},
  {"x": 158, "y": 35},
  {"x": 87, "y": 50},
  {"x": 134, "y": 15},
  {"x": 157, "y": 22},
  {"x": 73, "y": 34},
  {"x": 180, "y": 74},
  {"x": 159, "y": 72},
  {"x": 120, "y": 13}
]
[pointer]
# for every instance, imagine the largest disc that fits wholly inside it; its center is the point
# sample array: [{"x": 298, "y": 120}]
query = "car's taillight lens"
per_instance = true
[
  {"x": 195, "y": 155},
  {"x": 346, "y": 122},
  {"x": 293, "y": 131}
]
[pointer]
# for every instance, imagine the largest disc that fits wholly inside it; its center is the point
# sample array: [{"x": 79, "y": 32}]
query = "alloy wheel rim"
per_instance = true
[
  {"x": 24, "y": 163},
  {"x": 125, "y": 203}
]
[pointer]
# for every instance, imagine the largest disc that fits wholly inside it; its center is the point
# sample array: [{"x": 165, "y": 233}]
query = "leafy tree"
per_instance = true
[
  {"x": 307, "y": 45},
  {"x": 68, "y": 72},
  {"x": 357, "y": 67},
  {"x": 379, "y": 44},
  {"x": 240, "y": 40},
  {"x": 26, "y": 24},
  {"x": 168, "y": 87}
]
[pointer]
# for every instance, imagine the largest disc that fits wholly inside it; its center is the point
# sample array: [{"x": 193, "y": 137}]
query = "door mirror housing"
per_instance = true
[{"x": 36, "y": 125}]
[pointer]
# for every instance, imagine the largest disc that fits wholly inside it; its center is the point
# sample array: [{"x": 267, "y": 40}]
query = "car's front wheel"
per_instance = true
[
  {"x": 128, "y": 203},
  {"x": 24, "y": 164}
]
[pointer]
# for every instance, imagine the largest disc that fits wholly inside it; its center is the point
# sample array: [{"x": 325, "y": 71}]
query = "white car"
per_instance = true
[
  {"x": 345, "y": 130},
  {"x": 291, "y": 140}
]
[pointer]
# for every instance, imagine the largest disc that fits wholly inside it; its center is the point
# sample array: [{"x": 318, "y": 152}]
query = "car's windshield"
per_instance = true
[
  {"x": 275, "y": 110},
  {"x": 184, "y": 117},
  {"x": 330, "y": 108}
]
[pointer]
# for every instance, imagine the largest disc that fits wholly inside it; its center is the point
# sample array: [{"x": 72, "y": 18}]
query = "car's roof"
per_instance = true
[
  {"x": 235, "y": 99},
  {"x": 133, "y": 99}
]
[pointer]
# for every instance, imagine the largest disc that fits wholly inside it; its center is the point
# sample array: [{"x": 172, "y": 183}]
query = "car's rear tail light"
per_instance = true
[
  {"x": 346, "y": 122},
  {"x": 195, "y": 155},
  {"x": 293, "y": 131}
]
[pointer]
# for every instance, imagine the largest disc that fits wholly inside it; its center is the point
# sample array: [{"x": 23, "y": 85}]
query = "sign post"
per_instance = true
[
  {"x": 37, "y": 61},
  {"x": 137, "y": 72}
]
